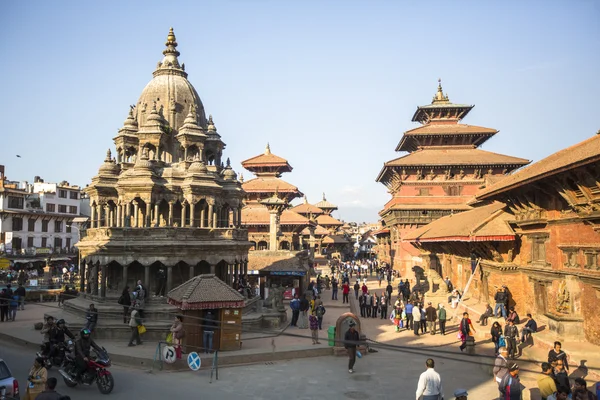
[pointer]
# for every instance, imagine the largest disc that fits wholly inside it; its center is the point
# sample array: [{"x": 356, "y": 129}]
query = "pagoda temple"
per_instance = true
[
  {"x": 440, "y": 175},
  {"x": 167, "y": 205},
  {"x": 267, "y": 184}
]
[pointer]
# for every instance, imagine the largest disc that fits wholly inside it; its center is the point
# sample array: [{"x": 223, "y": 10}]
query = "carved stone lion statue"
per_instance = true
[{"x": 434, "y": 278}]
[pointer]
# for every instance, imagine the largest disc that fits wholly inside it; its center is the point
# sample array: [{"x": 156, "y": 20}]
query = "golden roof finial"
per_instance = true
[
  {"x": 171, "y": 40},
  {"x": 268, "y": 149},
  {"x": 241, "y": 177},
  {"x": 439, "y": 96},
  {"x": 305, "y": 200}
]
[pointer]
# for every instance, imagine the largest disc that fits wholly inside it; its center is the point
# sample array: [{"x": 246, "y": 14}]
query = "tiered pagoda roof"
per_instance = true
[
  {"x": 326, "y": 206},
  {"x": 307, "y": 209}
]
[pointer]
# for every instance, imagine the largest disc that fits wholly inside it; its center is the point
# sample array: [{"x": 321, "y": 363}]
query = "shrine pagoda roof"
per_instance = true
[
  {"x": 413, "y": 138},
  {"x": 580, "y": 154},
  {"x": 335, "y": 239},
  {"x": 259, "y": 215},
  {"x": 486, "y": 223},
  {"x": 441, "y": 108},
  {"x": 326, "y": 205},
  {"x": 267, "y": 160},
  {"x": 454, "y": 156},
  {"x": 269, "y": 184},
  {"x": 205, "y": 292},
  {"x": 319, "y": 231},
  {"x": 328, "y": 220},
  {"x": 307, "y": 208}
]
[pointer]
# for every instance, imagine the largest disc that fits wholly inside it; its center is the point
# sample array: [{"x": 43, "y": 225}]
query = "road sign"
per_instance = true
[
  {"x": 4, "y": 263},
  {"x": 168, "y": 354},
  {"x": 194, "y": 361}
]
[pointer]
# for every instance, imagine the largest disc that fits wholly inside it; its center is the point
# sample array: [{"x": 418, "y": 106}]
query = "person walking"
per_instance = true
[
  {"x": 295, "y": 306},
  {"x": 545, "y": 381},
  {"x": 423, "y": 319},
  {"x": 466, "y": 329},
  {"x": 442, "y": 318},
  {"x": 556, "y": 354},
  {"x": 177, "y": 333},
  {"x": 500, "y": 299},
  {"x": 431, "y": 316},
  {"x": 496, "y": 332},
  {"x": 91, "y": 318},
  {"x": 135, "y": 320},
  {"x": 304, "y": 306},
  {"x": 368, "y": 304},
  {"x": 430, "y": 383},
  {"x": 313, "y": 323},
  {"x": 383, "y": 302},
  {"x": 510, "y": 387},
  {"x": 4, "y": 305},
  {"x": 416, "y": 317},
  {"x": 409, "y": 316},
  {"x": 500, "y": 367},
  {"x": 389, "y": 289},
  {"x": 334, "y": 289},
  {"x": 125, "y": 301},
  {"x": 345, "y": 292},
  {"x": 22, "y": 293},
  {"x": 356, "y": 289},
  {"x": 13, "y": 306},
  {"x": 36, "y": 380},
  {"x": 511, "y": 333},
  {"x": 351, "y": 340},
  {"x": 320, "y": 312}
]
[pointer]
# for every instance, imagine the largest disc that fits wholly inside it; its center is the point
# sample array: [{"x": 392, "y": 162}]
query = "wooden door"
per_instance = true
[{"x": 193, "y": 331}]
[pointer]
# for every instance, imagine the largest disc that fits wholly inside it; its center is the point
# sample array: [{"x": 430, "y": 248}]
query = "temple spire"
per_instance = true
[
  {"x": 171, "y": 44},
  {"x": 324, "y": 199},
  {"x": 268, "y": 149},
  {"x": 108, "y": 156},
  {"x": 439, "y": 96},
  {"x": 170, "y": 61}
]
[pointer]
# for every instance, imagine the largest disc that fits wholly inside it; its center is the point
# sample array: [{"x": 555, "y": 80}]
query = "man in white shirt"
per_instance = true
[{"x": 430, "y": 384}]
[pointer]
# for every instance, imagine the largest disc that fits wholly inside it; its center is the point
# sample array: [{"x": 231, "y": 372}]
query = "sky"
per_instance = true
[{"x": 331, "y": 85}]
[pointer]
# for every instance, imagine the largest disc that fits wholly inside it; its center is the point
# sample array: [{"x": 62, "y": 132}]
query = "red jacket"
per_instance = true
[{"x": 345, "y": 288}]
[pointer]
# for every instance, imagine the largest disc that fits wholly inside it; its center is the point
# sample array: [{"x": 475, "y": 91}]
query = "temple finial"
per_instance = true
[
  {"x": 108, "y": 156},
  {"x": 324, "y": 199},
  {"x": 241, "y": 177},
  {"x": 305, "y": 200},
  {"x": 268, "y": 149},
  {"x": 228, "y": 162},
  {"x": 211, "y": 124},
  {"x": 170, "y": 60},
  {"x": 439, "y": 96}
]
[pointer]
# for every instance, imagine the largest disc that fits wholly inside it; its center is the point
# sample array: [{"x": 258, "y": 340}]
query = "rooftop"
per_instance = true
[
  {"x": 259, "y": 215},
  {"x": 582, "y": 153},
  {"x": 267, "y": 160},
  {"x": 205, "y": 292}
]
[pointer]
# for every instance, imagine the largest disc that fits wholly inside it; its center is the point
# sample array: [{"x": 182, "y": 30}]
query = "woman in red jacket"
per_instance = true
[{"x": 345, "y": 291}]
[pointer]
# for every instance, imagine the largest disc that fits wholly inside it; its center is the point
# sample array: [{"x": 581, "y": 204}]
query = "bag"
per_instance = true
[
  {"x": 121, "y": 300},
  {"x": 141, "y": 329},
  {"x": 180, "y": 334},
  {"x": 358, "y": 354},
  {"x": 502, "y": 341},
  {"x": 169, "y": 339},
  {"x": 320, "y": 311}
]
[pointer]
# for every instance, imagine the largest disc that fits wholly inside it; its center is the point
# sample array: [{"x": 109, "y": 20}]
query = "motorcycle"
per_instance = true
[
  {"x": 57, "y": 359},
  {"x": 96, "y": 371}
]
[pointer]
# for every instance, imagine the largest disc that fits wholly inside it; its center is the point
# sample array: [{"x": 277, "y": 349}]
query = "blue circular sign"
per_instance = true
[{"x": 194, "y": 361}]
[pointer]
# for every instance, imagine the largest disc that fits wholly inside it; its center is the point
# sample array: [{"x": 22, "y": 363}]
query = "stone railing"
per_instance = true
[{"x": 166, "y": 233}]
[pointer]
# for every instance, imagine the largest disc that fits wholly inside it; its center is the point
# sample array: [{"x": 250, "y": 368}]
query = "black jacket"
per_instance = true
[
  {"x": 57, "y": 335},
  {"x": 83, "y": 346},
  {"x": 500, "y": 297},
  {"x": 351, "y": 339}
]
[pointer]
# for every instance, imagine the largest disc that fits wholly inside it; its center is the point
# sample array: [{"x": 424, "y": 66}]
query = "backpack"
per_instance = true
[
  {"x": 121, "y": 300},
  {"x": 320, "y": 311},
  {"x": 502, "y": 341}
]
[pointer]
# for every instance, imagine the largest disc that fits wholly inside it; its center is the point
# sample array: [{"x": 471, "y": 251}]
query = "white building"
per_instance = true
[{"x": 38, "y": 218}]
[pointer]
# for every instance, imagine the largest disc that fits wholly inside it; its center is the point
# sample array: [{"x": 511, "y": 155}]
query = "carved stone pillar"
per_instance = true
[
  {"x": 94, "y": 279},
  {"x": 170, "y": 221},
  {"x": 93, "y": 217},
  {"x": 125, "y": 275},
  {"x": 239, "y": 216},
  {"x": 192, "y": 211},
  {"x": 103, "y": 280},
  {"x": 136, "y": 214},
  {"x": 119, "y": 222},
  {"x": 82, "y": 271},
  {"x": 156, "y": 215},
  {"x": 245, "y": 268},
  {"x": 210, "y": 214},
  {"x": 148, "y": 217},
  {"x": 215, "y": 223},
  {"x": 236, "y": 272},
  {"x": 183, "y": 216},
  {"x": 169, "y": 278},
  {"x": 203, "y": 216},
  {"x": 234, "y": 215},
  {"x": 192, "y": 271},
  {"x": 147, "y": 276}
]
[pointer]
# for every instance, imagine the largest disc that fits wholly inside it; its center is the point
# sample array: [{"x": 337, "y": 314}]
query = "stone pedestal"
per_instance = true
[{"x": 565, "y": 325}]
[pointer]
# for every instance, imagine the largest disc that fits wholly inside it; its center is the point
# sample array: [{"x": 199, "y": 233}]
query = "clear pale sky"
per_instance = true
[{"x": 331, "y": 85}]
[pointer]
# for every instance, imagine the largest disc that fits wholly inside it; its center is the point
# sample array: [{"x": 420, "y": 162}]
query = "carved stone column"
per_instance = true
[
  {"x": 147, "y": 276},
  {"x": 192, "y": 211},
  {"x": 94, "y": 279},
  {"x": 148, "y": 217},
  {"x": 210, "y": 212},
  {"x": 82, "y": 271},
  {"x": 119, "y": 222},
  {"x": 236, "y": 272},
  {"x": 170, "y": 221},
  {"x": 215, "y": 223},
  {"x": 156, "y": 215},
  {"x": 203, "y": 216},
  {"x": 183, "y": 213},
  {"x": 136, "y": 214},
  {"x": 169, "y": 278},
  {"x": 93, "y": 217},
  {"x": 125, "y": 268},
  {"x": 103, "y": 280}
]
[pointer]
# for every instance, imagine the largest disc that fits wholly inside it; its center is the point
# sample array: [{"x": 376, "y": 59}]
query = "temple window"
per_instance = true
[
  {"x": 538, "y": 249},
  {"x": 571, "y": 258},
  {"x": 424, "y": 192},
  {"x": 591, "y": 260}
]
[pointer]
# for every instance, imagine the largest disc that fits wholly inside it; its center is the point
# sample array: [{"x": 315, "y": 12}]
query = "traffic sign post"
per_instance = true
[
  {"x": 215, "y": 366},
  {"x": 194, "y": 361},
  {"x": 168, "y": 354}
]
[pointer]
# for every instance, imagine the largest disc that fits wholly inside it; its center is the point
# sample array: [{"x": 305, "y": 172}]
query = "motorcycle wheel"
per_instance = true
[
  {"x": 105, "y": 383},
  {"x": 69, "y": 383}
]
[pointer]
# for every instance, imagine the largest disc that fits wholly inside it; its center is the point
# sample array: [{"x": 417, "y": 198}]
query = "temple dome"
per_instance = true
[
  {"x": 171, "y": 91},
  {"x": 109, "y": 167}
]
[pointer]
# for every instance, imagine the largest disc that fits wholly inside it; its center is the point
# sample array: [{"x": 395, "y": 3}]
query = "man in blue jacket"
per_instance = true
[
  {"x": 409, "y": 317},
  {"x": 529, "y": 328},
  {"x": 295, "y": 306}
]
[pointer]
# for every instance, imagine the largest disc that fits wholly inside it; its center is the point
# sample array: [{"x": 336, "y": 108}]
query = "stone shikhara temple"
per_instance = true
[{"x": 168, "y": 200}]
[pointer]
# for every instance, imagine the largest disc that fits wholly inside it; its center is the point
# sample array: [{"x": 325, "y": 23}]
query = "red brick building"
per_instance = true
[
  {"x": 538, "y": 232},
  {"x": 441, "y": 173}
]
